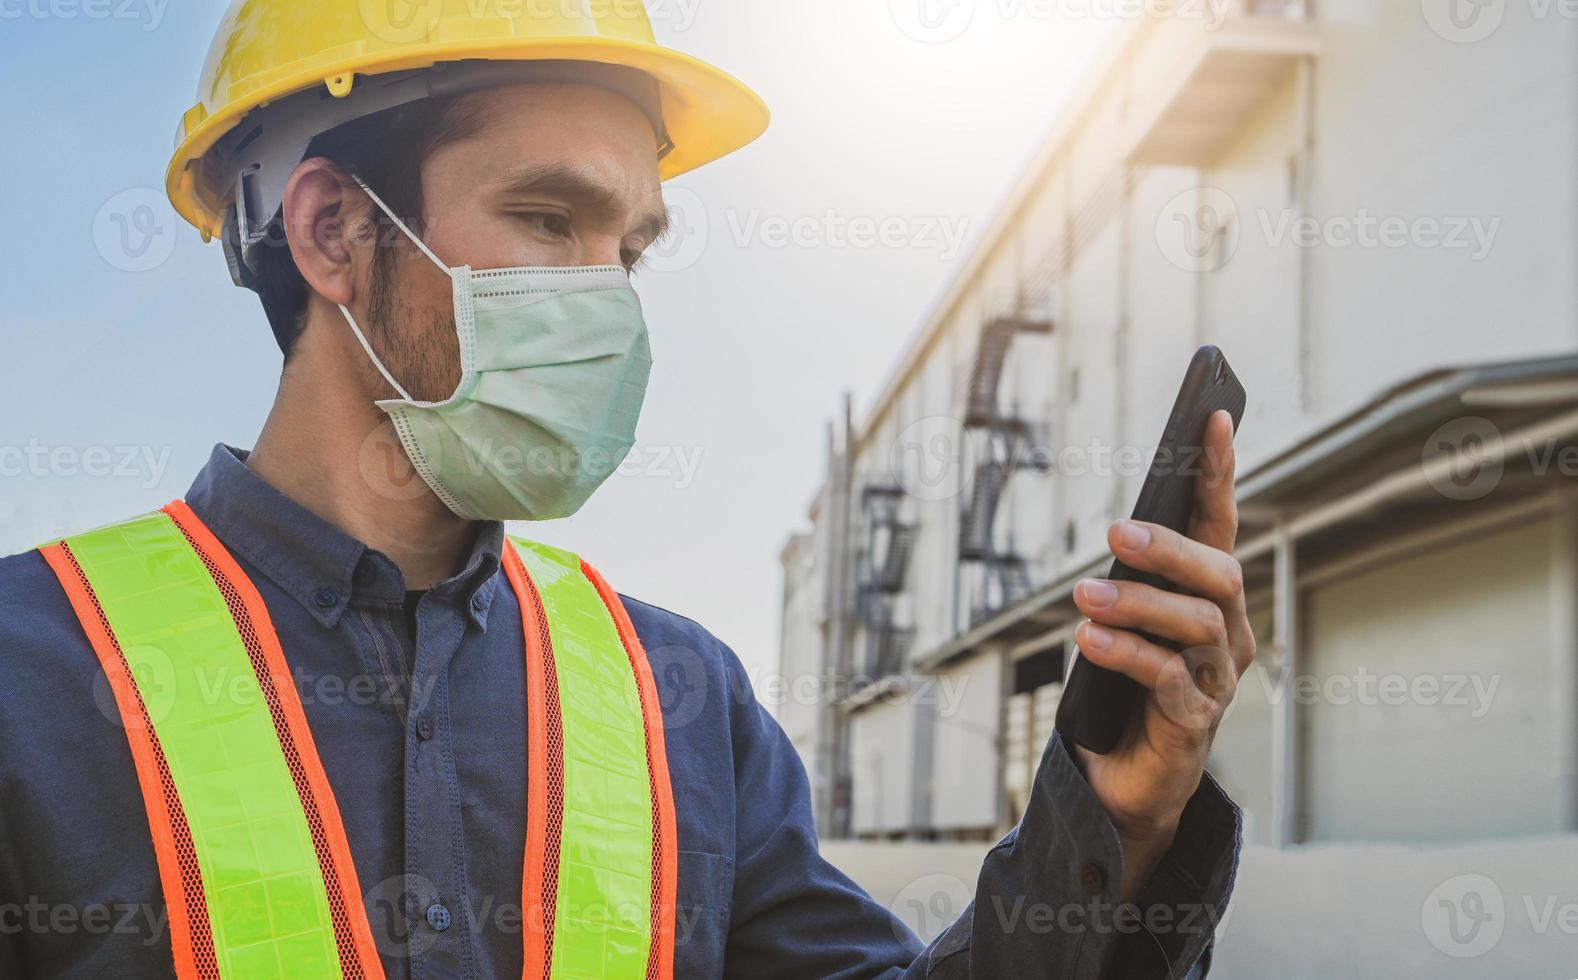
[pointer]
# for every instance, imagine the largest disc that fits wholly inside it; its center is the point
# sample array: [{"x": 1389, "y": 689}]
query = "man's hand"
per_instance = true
[{"x": 1146, "y": 781}]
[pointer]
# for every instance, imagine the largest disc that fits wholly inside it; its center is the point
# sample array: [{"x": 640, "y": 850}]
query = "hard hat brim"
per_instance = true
[{"x": 708, "y": 112}]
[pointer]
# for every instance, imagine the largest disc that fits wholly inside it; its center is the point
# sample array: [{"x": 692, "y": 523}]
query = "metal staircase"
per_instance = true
[
  {"x": 1000, "y": 443},
  {"x": 884, "y": 572}
]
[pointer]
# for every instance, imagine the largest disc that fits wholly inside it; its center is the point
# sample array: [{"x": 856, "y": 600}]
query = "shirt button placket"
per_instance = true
[{"x": 432, "y": 804}]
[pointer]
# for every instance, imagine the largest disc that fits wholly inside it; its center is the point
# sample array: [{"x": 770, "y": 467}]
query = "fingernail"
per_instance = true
[
  {"x": 1133, "y": 536},
  {"x": 1099, "y": 592},
  {"x": 1096, "y": 637}
]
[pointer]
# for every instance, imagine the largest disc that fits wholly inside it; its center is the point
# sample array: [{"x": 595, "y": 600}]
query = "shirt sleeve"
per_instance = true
[{"x": 1046, "y": 900}]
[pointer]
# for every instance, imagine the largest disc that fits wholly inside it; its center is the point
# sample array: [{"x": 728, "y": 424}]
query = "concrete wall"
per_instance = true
[
  {"x": 800, "y": 650},
  {"x": 1241, "y": 755},
  {"x": 885, "y": 738},
  {"x": 1422, "y": 765},
  {"x": 964, "y": 777}
]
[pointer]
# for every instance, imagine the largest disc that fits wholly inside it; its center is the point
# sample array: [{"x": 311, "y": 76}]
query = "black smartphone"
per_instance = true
[{"x": 1097, "y": 703}]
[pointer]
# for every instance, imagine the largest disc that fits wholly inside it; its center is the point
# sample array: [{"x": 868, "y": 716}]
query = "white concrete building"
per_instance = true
[{"x": 1373, "y": 209}]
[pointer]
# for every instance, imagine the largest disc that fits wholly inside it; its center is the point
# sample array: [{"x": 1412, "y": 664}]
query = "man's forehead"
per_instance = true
[
  {"x": 541, "y": 104},
  {"x": 568, "y": 137}
]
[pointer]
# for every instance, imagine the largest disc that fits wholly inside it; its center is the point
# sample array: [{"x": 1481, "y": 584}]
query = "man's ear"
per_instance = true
[{"x": 318, "y": 211}]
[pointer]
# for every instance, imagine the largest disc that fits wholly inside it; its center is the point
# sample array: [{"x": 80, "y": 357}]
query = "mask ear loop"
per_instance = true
[{"x": 347, "y": 313}]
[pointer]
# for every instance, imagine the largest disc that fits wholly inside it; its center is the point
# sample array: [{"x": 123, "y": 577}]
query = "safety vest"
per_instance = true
[{"x": 252, "y": 856}]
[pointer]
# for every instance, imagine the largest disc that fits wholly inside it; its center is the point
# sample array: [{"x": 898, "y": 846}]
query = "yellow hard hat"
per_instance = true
[{"x": 360, "y": 56}]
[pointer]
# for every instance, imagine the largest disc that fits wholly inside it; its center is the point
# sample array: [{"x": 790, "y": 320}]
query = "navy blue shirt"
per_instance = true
[{"x": 422, "y": 739}]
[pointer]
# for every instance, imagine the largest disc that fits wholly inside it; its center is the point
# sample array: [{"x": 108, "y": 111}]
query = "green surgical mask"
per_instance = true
[{"x": 554, "y": 367}]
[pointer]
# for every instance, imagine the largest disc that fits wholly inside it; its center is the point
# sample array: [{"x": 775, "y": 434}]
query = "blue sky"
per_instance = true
[{"x": 128, "y": 354}]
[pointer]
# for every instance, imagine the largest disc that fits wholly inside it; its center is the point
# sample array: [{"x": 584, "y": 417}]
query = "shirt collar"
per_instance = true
[{"x": 319, "y": 565}]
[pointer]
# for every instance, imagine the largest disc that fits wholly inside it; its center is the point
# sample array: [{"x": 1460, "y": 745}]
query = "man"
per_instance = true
[{"x": 323, "y": 718}]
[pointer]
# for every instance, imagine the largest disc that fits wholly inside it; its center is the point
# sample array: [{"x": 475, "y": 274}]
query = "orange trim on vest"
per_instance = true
[
  {"x": 665, "y": 846},
  {"x": 190, "y": 928},
  {"x": 537, "y": 893},
  {"x": 353, "y": 934}
]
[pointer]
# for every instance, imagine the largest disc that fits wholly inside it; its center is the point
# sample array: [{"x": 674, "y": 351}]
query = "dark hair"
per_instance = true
[{"x": 386, "y": 150}]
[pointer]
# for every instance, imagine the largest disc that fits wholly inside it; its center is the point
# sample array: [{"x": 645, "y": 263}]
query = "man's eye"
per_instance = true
[{"x": 554, "y": 225}]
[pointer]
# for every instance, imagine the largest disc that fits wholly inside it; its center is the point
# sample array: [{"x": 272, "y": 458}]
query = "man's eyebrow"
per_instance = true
[
  {"x": 575, "y": 184},
  {"x": 558, "y": 180}
]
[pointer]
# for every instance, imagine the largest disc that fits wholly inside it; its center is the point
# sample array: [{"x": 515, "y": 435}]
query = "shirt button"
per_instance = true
[
  {"x": 424, "y": 727},
  {"x": 478, "y": 602},
  {"x": 1092, "y": 877},
  {"x": 325, "y": 598},
  {"x": 438, "y": 917}
]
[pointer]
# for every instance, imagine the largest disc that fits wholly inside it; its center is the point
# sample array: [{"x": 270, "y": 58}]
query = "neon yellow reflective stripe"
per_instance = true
[
  {"x": 265, "y": 892},
  {"x": 602, "y": 919}
]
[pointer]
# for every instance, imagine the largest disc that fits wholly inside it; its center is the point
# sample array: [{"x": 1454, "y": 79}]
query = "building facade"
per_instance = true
[{"x": 1371, "y": 210}]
